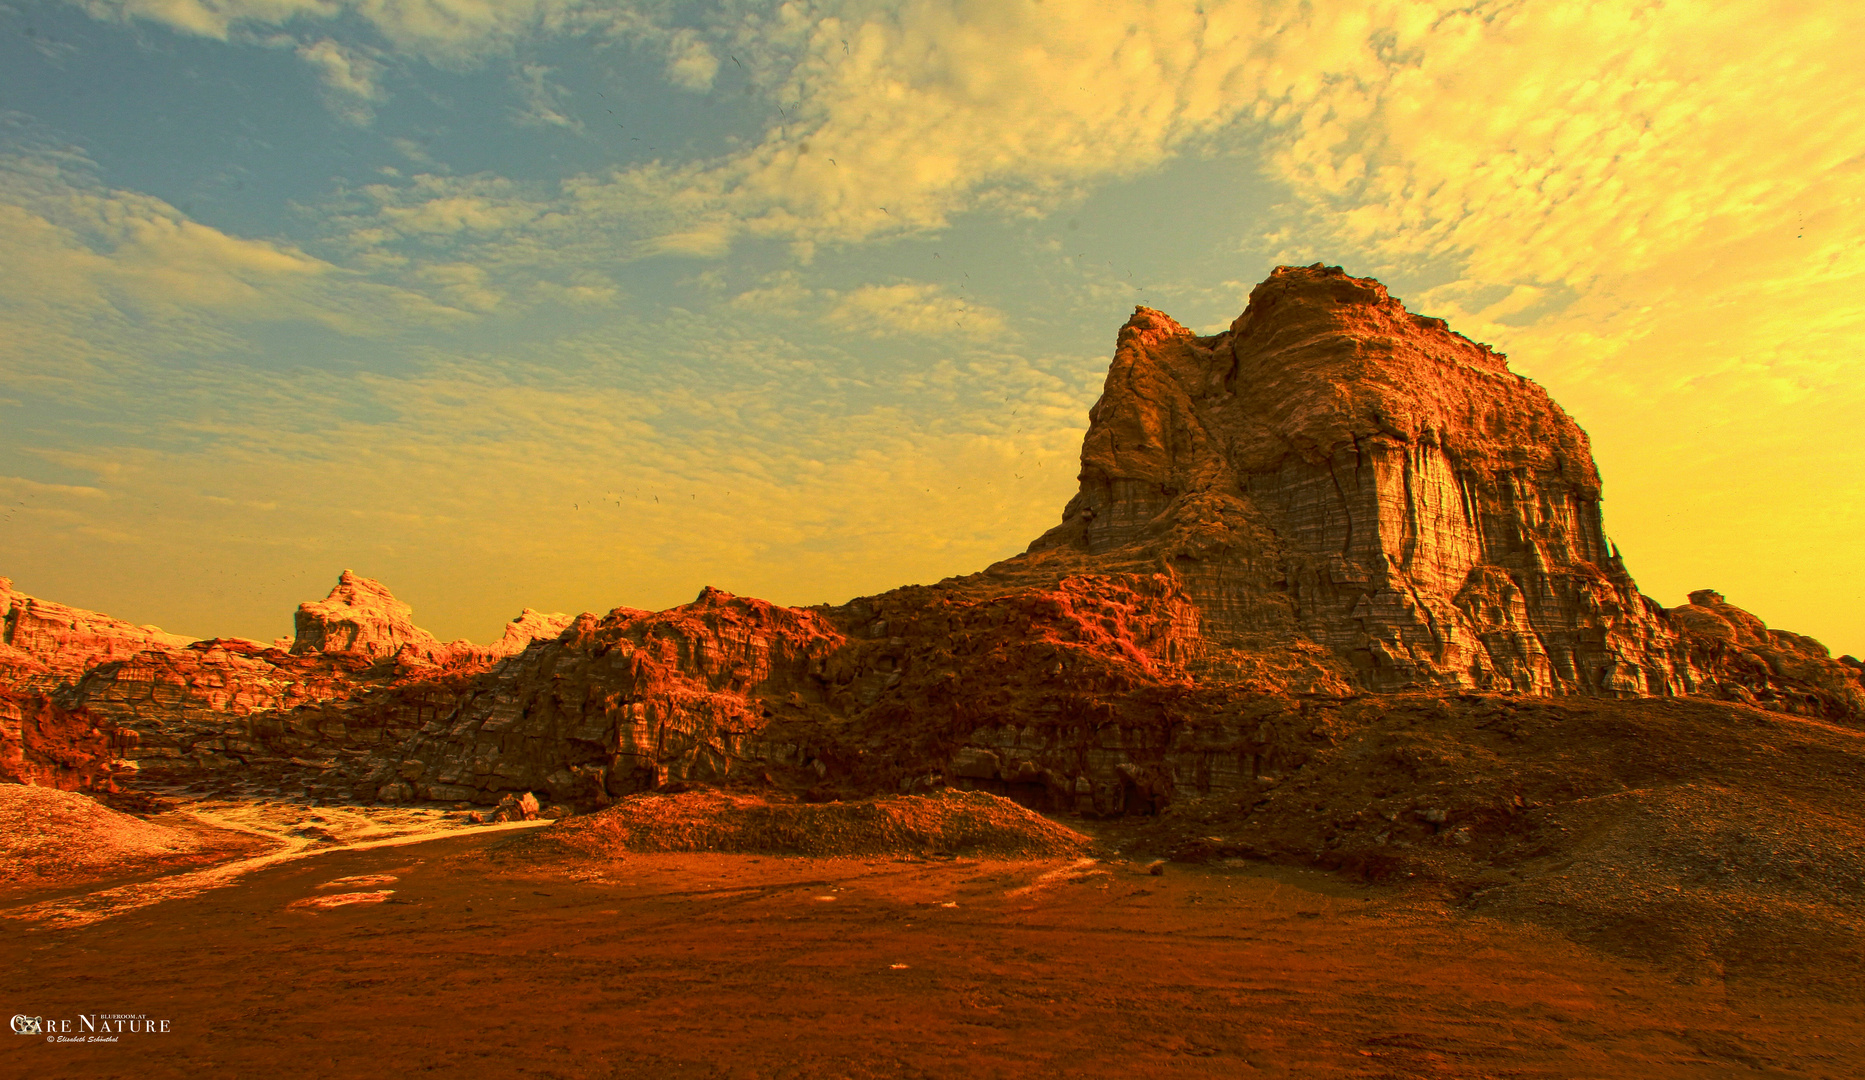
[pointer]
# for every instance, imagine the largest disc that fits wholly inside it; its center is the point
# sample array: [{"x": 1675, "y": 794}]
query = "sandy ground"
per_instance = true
[
  {"x": 437, "y": 957},
  {"x": 68, "y": 861}
]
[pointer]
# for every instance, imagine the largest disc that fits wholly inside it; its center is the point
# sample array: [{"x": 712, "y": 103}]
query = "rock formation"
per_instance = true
[
  {"x": 526, "y": 627},
  {"x": 880, "y": 692},
  {"x": 359, "y": 616},
  {"x": 361, "y": 679},
  {"x": 622, "y": 704},
  {"x": 1733, "y": 656},
  {"x": 1338, "y": 470},
  {"x": 1335, "y": 467},
  {"x": 1331, "y": 498},
  {"x": 43, "y": 644},
  {"x": 49, "y": 746},
  {"x": 362, "y": 617}
]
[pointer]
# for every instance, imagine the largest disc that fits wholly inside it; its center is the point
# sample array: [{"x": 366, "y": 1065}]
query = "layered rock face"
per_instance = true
[
  {"x": 48, "y": 746},
  {"x": 1338, "y": 469},
  {"x": 44, "y": 644},
  {"x": 359, "y": 616},
  {"x": 361, "y": 679},
  {"x": 623, "y": 703},
  {"x": 880, "y": 693}
]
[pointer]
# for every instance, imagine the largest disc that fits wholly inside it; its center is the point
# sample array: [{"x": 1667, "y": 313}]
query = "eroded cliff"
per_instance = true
[
  {"x": 360, "y": 679},
  {"x": 1333, "y": 497},
  {"x": 1336, "y": 469}
]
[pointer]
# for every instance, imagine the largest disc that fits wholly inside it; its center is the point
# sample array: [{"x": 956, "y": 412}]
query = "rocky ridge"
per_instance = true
[
  {"x": 1332, "y": 498},
  {"x": 878, "y": 694},
  {"x": 1335, "y": 469},
  {"x": 358, "y": 680},
  {"x": 44, "y": 644}
]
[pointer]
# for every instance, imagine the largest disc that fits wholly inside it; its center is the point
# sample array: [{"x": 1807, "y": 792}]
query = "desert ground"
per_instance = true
[{"x": 343, "y": 941}]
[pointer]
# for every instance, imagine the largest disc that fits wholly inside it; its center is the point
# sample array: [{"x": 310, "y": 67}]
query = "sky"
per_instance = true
[{"x": 574, "y": 304}]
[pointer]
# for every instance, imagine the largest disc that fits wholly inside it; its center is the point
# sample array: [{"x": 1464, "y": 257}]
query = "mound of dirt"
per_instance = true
[
  {"x": 947, "y": 822},
  {"x": 50, "y": 837},
  {"x": 1707, "y": 835}
]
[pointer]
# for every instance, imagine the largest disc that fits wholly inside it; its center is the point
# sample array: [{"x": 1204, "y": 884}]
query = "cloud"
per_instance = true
[
  {"x": 784, "y": 295},
  {"x": 691, "y": 64},
  {"x": 82, "y": 252},
  {"x": 349, "y": 78},
  {"x": 907, "y": 309},
  {"x": 543, "y": 100},
  {"x": 446, "y": 31},
  {"x": 99, "y": 276},
  {"x": 1418, "y": 129},
  {"x": 915, "y": 309},
  {"x": 1545, "y": 145},
  {"x": 444, "y": 206},
  {"x": 887, "y": 121},
  {"x": 463, "y": 284},
  {"x": 19, "y": 486},
  {"x": 890, "y": 120}
]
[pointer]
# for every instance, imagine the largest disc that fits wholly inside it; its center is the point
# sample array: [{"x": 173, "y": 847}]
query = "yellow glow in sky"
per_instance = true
[{"x": 575, "y": 304}]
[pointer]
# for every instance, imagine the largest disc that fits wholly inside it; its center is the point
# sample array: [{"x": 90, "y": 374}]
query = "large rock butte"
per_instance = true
[
  {"x": 1336, "y": 469},
  {"x": 1334, "y": 496},
  {"x": 1331, "y": 498},
  {"x": 359, "y": 616}
]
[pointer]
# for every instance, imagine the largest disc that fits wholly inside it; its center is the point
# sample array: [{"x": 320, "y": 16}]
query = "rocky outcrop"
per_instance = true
[
  {"x": 1735, "y": 657},
  {"x": 1335, "y": 467},
  {"x": 360, "y": 680},
  {"x": 359, "y": 616},
  {"x": 44, "y": 644},
  {"x": 362, "y": 617},
  {"x": 882, "y": 693},
  {"x": 526, "y": 627},
  {"x": 1337, "y": 470},
  {"x": 622, "y": 703},
  {"x": 48, "y": 746}
]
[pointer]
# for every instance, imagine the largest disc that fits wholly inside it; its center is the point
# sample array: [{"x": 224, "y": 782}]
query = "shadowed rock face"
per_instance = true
[
  {"x": 48, "y": 746},
  {"x": 623, "y": 703},
  {"x": 877, "y": 694}
]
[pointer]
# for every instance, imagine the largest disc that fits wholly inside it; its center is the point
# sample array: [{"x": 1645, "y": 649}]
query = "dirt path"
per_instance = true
[
  {"x": 443, "y": 960},
  {"x": 234, "y": 836},
  {"x": 84, "y": 908}
]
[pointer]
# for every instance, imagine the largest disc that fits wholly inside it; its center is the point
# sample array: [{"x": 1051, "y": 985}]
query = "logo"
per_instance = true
[{"x": 28, "y": 1025}]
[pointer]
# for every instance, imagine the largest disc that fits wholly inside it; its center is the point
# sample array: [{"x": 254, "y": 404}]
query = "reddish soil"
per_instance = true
[{"x": 465, "y": 956}]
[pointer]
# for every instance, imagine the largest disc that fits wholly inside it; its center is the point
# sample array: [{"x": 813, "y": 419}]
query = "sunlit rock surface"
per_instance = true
[{"x": 1332, "y": 498}]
